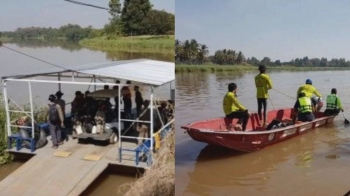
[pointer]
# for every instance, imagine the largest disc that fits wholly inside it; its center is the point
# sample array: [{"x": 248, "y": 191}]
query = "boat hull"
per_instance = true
[{"x": 249, "y": 141}]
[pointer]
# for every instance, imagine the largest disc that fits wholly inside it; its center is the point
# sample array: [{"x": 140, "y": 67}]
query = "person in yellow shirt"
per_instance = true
[
  {"x": 233, "y": 108},
  {"x": 309, "y": 91},
  {"x": 334, "y": 105},
  {"x": 263, "y": 84}
]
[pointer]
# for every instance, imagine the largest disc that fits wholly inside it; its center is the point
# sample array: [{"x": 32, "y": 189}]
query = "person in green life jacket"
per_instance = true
[
  {"x": 233, "y": 109},
  {"x": 334, "y": 105},
  {"x": 303, "y": 108}
]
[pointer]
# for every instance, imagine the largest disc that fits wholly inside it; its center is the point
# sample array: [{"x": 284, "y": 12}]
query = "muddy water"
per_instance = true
[
  {"x": 7, "y": 169},
  {"x": 316, "y": 163},
  {"x": 108, "y": 184}
]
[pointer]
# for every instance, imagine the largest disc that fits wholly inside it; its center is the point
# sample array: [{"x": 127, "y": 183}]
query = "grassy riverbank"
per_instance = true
[
  {"x": 160, "y": 178},
  {"x": 179, "y": 68},
  {"x": 163, "y": 43},
  {"x": 5, "y": 157},
  {"x": 5, "y": 39}
]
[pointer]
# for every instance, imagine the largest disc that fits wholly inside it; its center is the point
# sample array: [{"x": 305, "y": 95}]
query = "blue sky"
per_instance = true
[
  {"x": 279, "y": 29},
  {"x": 55, "y": 13}
]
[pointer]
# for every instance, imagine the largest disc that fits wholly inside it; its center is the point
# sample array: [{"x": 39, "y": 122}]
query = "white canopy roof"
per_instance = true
[{"x": 145, "y": 71}]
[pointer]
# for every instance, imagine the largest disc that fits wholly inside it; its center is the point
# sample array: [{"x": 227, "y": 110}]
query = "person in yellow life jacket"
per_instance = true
[
  {"x": 334, "y": 105},
  {"x": 303, "y": 108},
  {"x": 309, "y": 91},
  {"x": 233, "y": 109},
  {"x": 263, "y": 84}
]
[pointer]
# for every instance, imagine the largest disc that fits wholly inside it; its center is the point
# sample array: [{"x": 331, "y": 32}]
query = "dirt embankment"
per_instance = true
[{"x": 159, "y": 180}]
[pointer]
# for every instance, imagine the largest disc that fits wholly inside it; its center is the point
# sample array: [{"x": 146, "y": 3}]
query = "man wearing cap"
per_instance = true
[
  {"x": 334, "y": 105},
  {"x": 263, "y": 83},
  {"x": 54, "y": 110},
  {"x": 309, "y": 90}
]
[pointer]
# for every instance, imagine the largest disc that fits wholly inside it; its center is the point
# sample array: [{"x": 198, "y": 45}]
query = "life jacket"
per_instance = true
[
  {"x": 305, "y": 105},
  {"x": 332, "y": 102}
]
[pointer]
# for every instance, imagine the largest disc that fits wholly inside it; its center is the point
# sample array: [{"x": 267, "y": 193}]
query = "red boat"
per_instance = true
[{"x": 214, "y": 131}]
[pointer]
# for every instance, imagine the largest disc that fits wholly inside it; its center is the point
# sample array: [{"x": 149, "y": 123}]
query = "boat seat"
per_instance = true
[
  {"x": 19, "y": 139},
  {"x": 16, "y": 138}
]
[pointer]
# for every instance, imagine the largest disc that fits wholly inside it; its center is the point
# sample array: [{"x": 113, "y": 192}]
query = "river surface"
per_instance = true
[
  {"x": 316, "y": 163},
  {"x": 67, "y": 55}
]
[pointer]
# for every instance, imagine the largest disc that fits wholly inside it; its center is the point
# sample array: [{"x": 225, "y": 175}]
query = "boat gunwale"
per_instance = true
[{"x": 252, "y": 132}]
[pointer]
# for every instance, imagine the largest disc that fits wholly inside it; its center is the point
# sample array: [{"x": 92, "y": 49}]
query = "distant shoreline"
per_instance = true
[
  {"x": 156, "y": 43},
  {"x": 146, "y": 43},
  {"x": 183, "y": 68}
]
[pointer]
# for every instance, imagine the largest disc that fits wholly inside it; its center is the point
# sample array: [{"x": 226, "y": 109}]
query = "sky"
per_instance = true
[
  {"x": 279, "y": 29},
  {"x": 55, "y": 13}
]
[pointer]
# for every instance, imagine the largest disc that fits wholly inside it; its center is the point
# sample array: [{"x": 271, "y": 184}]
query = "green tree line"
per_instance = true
[
  {"x": 70, "y": 32},
  {"x": 192, "y": 52},
  {"x": 136, "y": 17}
]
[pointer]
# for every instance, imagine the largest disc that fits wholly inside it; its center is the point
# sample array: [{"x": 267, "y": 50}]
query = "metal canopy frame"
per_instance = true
[{"x": 73, "y": 75}]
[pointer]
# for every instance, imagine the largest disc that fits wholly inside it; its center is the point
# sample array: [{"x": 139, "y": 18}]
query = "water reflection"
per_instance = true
[
  {"x": 123, "y": 55},
  {"x": 113, "y": 55},
  {"x": 245, "y": 169},
  {"x": 37, "y": 43}
]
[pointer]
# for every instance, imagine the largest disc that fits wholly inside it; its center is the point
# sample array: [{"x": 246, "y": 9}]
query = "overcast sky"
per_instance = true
[
  {"x": 55, "y": 13},
  {"x": 279, "y": 29}
]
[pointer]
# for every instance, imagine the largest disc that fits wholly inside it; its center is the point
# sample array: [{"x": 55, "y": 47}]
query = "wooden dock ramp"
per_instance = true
[{"x": 66, "y": 171}]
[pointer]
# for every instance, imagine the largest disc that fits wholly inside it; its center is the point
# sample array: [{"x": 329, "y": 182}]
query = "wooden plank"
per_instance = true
[{"x": 47, "y": 174}]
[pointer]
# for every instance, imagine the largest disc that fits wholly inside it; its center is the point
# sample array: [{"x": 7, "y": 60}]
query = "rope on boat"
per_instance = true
[
  {"x": 284, "y": 94},
  {"x": 272, "y": 103}
]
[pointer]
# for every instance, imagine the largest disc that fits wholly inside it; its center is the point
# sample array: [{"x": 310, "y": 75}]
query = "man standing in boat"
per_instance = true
[
  {"x": 303, "y": 109},
  {"x": 263, "y": 84},
  {"x": 334, "y": 105},
  {"x": 233, "y": 109},
  {"x": 309, "y": 91}
]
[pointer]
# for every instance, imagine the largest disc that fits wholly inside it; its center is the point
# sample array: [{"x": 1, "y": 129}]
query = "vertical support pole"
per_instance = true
[
  {"x": 7, "y": 109},
  {"x": 31, "y": 107},
  {"x": 119, "y": 127},
  {"x": 73, "y": 77},
  {"x": 170, "y": 91},
  {"x": 59, "y": 79},
  {"x": 152, "y": 119},
  {"x": 94, "y": 82}
]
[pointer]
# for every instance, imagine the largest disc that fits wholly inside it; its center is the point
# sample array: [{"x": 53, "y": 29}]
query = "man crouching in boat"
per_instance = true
[
  {"x": 233, "y": 109},
  {"x": 334, "y": 105},
  {"x": 303, "y": 109}
]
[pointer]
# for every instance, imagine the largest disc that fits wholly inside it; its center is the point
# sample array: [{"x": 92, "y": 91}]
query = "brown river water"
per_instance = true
[
  {"x": 315, "y": 163},
  {"x": 68, "y": 55}
]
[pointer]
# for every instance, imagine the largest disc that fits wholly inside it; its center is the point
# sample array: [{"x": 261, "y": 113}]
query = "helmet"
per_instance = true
[{"x": 308, "y": 81}]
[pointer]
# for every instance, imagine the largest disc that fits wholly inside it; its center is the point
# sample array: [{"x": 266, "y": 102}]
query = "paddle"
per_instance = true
[{"x": 345, "y": 120}]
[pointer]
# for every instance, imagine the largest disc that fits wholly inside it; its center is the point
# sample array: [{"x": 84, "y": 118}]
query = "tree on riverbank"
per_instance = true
[
  {"x": 191, "y": 52},
  {"x": 188, "y": 52},
  {"x": 137, "y": 17}
]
